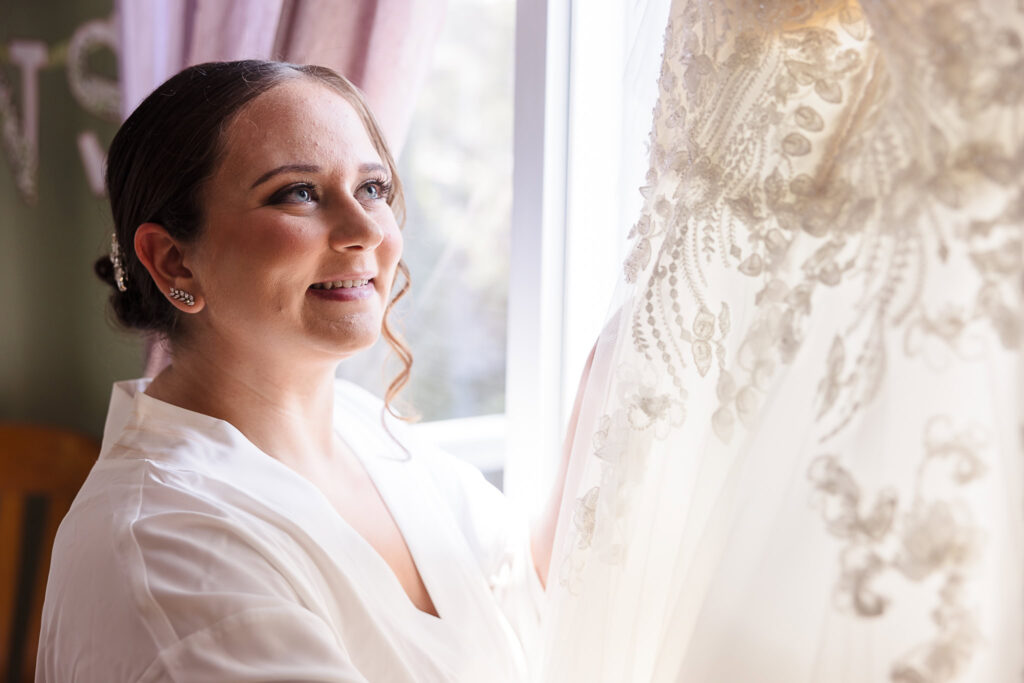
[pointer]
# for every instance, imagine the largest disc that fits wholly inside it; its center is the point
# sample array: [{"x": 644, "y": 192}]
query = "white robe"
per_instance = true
[{"x": 191, "y": 555}]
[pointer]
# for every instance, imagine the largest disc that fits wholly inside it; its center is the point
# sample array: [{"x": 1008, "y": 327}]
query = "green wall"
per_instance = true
[{"x": 58, "y": 351}]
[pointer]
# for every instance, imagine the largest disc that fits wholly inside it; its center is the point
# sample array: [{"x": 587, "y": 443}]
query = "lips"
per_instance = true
[{"x": 344, "y": 288}]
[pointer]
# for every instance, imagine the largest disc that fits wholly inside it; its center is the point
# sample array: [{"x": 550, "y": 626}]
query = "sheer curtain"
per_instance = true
[
  {"x": 799, "y": 456},
  {"x": 383, "y": 46}
]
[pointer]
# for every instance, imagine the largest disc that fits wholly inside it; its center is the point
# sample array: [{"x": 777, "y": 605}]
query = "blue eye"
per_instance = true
[
  {"x": 301, "y": 193},
  {"x": 376, "y": 190}
]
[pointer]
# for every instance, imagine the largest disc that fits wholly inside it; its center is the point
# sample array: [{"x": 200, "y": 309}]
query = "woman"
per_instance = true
[{"x": 250, "y": 518}]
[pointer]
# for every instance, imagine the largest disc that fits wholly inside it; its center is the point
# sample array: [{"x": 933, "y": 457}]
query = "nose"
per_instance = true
[{"x": 353, "y": 227}]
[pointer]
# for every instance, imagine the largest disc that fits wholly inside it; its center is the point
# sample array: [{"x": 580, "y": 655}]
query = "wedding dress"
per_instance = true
[{"x": 799, "y": 456}]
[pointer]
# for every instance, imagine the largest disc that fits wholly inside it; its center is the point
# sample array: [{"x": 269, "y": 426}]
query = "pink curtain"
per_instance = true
[{"x": 383, "y": 46}]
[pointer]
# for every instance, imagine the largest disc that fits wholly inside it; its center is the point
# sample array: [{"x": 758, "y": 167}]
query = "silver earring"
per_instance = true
[{"x": 183, "y": 296}]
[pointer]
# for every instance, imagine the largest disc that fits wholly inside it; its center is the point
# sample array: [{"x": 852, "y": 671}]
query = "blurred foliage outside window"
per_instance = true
[{"x": 456, "y": 169}]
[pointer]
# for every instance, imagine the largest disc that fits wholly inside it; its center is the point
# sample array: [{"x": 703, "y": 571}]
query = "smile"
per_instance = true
[
  {"x": 340, "y": 284},
  {"x": 343, "y": 290}
]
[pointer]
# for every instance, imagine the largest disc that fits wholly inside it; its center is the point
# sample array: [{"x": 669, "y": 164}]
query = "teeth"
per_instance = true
[{"x": 340, "y": 283}]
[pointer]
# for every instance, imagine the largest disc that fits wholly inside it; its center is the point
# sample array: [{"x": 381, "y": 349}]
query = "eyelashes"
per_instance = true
[
  {"x": 296, "y": 193},
  {"x": 307, "y": 192},
  {"x": 383, "y": 185}
]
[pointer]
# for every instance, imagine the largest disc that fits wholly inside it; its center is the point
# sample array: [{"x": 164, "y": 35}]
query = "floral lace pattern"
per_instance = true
[
  {"x": 820, "y": 172},
  {"x": 933, "y": 535},
  {"x": 801, "y": 203}
]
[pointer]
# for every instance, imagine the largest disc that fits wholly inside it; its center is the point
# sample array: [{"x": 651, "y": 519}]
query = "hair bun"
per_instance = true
[{"x": 105, "y": 270}]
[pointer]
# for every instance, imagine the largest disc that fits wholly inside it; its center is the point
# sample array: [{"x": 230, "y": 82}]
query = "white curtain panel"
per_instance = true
[{"x": 799, "y": 457}]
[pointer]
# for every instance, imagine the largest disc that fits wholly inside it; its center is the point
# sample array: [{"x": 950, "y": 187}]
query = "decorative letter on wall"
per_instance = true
[
  {"x": 97, "y": 95},
  {"x": 21, "y": 139}
]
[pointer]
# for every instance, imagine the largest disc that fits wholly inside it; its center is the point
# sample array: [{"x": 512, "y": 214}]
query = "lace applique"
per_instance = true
[
  {"x": 932, "y": 537},
  {"x": 823, "y": 170},
  {"x": 791, "y": 158}
]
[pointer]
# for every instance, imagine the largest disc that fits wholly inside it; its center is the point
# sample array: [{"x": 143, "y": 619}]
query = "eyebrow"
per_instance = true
[
  {"x": 373, "y": 168},
  {"x": 287, "y": 168},
  {"x": 310, "y": 168}
]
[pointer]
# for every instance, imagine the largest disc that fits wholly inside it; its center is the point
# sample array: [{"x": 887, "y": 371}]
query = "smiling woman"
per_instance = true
[
  {"x": 250, "y": 517},
  {"x": 272, "y": 239},
  {"x": 150, "y": 197}
]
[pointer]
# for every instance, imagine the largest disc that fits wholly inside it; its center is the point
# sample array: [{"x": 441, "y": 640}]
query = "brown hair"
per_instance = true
[{"x": 162, "y": 156}]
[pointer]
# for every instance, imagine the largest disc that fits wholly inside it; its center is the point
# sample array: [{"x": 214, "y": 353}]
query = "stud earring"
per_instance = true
[{"x": 183, "y": 296}]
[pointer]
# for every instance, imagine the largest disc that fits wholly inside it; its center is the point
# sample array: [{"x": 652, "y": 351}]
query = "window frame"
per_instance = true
[
  {"x": 524, "y": 441},
  {"x": 579, "y": 78}
]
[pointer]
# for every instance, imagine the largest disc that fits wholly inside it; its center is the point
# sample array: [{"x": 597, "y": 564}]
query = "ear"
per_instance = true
[{"x": 164, "y": 258}]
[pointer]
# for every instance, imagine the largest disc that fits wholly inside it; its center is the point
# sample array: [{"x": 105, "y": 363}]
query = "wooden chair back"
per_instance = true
[{"x": 41, "y": 470}]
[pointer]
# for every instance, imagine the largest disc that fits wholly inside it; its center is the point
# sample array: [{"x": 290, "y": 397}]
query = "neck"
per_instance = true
[{"x": 284, "y": 408}]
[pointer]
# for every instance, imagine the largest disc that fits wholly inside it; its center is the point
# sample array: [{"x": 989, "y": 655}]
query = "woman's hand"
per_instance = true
[{"x": 543, "y": 532}]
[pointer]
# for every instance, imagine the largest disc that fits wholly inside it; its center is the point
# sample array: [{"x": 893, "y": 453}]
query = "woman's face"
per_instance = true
[{"x": 299, "y": 246}]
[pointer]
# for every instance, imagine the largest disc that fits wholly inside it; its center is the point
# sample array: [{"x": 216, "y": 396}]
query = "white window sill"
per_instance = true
[{"x": 477, "y": 440}]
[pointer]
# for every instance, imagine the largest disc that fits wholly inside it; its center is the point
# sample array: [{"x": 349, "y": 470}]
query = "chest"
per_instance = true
[{"x": 352, "y": 493}]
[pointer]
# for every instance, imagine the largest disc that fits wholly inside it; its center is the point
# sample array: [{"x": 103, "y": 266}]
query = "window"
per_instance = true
[
  {"x": 520, "y": 193},
  {"x": 586, "y": 83},
  {"x": 456, "y": 168}
]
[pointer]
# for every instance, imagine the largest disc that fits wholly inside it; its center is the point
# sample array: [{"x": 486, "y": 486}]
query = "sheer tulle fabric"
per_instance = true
[{"x": 799, "y": 455}]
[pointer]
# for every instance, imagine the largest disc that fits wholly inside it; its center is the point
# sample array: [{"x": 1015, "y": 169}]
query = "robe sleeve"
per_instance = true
[
  {"x": 221, "y": 598},
  {"x": 279, "y": 642}
]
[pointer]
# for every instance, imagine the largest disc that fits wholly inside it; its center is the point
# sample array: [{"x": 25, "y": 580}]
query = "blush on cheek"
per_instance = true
[
  {"x": 280, "y": 242},
  {"x": 394, "y": 243},
  {"x": 389, "y": 252}
]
